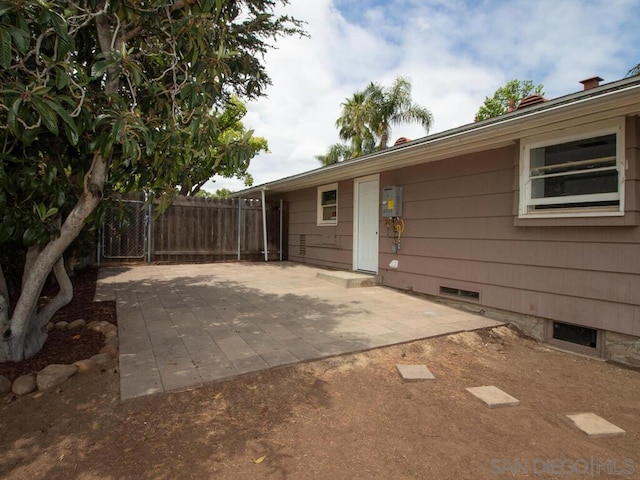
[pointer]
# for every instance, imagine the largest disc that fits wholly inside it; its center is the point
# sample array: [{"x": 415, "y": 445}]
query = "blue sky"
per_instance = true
[{"x": 455, "y": 53}]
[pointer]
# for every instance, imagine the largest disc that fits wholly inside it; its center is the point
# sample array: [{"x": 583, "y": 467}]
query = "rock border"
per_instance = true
[{"x": 54, "y": 375}]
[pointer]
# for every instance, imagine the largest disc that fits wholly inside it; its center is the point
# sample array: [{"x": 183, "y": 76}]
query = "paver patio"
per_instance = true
[{"x": 181, "y": 326}]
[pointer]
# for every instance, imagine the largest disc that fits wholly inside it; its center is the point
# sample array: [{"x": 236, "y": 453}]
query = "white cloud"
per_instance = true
[{"x": 456, "y": 53}]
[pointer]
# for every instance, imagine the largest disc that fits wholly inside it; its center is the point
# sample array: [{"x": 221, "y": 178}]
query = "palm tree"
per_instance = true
[
  {"x": 393, "y": 106},
  {"x": 353, "y": 124},
  {"x": 634, "y": 71},
  {"x": 336, "y": 153},
  {"x": 367, "y": 117}
]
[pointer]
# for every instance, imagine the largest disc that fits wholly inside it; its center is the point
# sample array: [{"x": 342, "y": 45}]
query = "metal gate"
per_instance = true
[{"x": 125, "y": 230}]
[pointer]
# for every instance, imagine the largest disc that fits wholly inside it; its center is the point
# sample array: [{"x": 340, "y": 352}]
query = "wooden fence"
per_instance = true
[{"x": 194, "y": 230}]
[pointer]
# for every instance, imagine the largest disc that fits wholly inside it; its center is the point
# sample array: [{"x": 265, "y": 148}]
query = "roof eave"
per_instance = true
[{"x": 615, "y": 99}]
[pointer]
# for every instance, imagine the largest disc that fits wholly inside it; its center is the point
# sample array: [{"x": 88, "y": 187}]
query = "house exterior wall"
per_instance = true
[
  {"x": 328, "y": 246},
  {"x": 462, "y": 231}
]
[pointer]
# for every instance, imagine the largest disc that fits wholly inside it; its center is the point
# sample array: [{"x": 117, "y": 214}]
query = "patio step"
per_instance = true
[{"x": 350, "y": 279}]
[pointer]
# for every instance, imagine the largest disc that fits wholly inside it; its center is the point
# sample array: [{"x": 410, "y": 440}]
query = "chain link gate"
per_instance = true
[{"x": 125, "y": 230}]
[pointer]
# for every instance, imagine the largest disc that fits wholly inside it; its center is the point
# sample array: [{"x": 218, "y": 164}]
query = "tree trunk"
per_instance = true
[
  {"x": 4, "y": 306},
  {"x": 4, "y": 291},
  {"x": 62, "y": 298},
  {"x": 26, "y": 327},
  {"x": 4, "y": 316}
]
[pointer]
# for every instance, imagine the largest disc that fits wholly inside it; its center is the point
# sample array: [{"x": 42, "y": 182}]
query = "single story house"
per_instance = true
[{"x": 533, "y": 216}]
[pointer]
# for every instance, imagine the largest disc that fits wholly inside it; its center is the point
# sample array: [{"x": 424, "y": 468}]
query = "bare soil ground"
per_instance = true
[{"x": 348, "y": 417}]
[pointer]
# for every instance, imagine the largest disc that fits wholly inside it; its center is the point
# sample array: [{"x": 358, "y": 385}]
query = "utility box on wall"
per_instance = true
[{"x": 391, "y": 202}]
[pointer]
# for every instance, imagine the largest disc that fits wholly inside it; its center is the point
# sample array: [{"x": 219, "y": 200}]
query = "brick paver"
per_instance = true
[{"x": 184, "y": 325}]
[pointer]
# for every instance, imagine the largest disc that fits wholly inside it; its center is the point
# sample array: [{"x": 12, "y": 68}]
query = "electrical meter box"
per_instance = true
[{"x": 391, "y": 202}]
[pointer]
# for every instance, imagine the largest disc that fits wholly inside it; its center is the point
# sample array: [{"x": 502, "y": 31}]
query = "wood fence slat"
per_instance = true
[{"x": 202, "y": 230}]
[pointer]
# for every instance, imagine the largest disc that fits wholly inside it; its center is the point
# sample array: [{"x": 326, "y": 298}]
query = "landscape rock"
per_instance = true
[
  {"x": 53, "y": 375},
  {"x": 50, "y": 326},
  {"x": 107, "y": 329},
  {"x": 92, "y": 324},
  {"x": 5, "y": 384},
  {"x": 111, "y": 350},
  {"x": 102, "y": 326},
  {"x": 85, "y": 365},
  {"x": 24, "y": 384},
  {"x": 111, "y": 333},
  {"x": 98, "y": 326},
  {"x": 101, "y": 358},
  {"x": 76, "y": 324},
  {"x": 62, "y": 325}
]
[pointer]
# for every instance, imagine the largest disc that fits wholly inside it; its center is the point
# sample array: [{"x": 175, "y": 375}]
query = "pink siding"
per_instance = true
[
  {"x": 329, "y": 246},
  {"x": 462, "y": 231}
]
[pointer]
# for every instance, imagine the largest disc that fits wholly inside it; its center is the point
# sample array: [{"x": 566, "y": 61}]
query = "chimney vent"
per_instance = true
[{"x": 590, "y": 83}]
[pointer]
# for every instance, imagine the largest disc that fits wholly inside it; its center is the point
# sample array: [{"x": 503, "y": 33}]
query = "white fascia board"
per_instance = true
[{"x": 494, "y": 133}]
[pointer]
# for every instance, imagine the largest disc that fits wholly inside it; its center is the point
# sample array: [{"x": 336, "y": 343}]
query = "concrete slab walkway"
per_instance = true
[{"x": 182, "y": 326}]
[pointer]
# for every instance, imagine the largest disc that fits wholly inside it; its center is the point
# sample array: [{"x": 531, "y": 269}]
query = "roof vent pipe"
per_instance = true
[{"x": 590, "y": 83}]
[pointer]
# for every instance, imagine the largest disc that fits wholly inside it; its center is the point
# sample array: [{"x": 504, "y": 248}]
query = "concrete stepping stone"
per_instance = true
[
  {"x": 415, "y": 373},
  {"x": 493, "y": 397},
  {"x": 595, "y": 426}
]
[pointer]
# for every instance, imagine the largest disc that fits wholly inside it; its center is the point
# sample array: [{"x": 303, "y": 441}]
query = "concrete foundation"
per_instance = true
[
  {"x": 622, "y": 348},
  {"x": 618, "y": 347}
]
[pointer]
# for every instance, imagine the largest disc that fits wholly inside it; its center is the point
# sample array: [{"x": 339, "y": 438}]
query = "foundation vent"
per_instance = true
[
  {"x": 303, "y": 245},
  {"x": 460, "y": 293},
  {"x": 584, "y": 336}
]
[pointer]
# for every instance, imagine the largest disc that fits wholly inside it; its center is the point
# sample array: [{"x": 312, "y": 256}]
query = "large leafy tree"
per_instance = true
[
  {"x": 104, "y": 94},
  {"x": 228, "y": 155},
  {"x": 506, "y": 97},
  {"x": 368, "y": 117}
]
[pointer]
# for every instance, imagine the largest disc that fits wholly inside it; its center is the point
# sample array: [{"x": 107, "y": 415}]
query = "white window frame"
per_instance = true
[
  {"x": 320, "y": 208},
  {"x": 570, "y": 135}
]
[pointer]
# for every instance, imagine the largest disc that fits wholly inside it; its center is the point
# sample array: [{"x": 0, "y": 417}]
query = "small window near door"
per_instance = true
[{"x": 328, "y": 204}]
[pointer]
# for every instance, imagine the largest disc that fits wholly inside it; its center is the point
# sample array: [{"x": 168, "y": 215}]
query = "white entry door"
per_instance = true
[{"x": 366, "y": 222}]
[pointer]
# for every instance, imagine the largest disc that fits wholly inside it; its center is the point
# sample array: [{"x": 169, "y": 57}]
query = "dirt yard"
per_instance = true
[{"x": 349, "y": 417}]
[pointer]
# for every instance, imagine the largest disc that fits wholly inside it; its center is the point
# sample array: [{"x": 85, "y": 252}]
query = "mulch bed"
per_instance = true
[{"x": 68, "y": 346}]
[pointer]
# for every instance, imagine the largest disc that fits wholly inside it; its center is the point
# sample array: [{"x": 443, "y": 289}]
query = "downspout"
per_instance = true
[{"x": 264, "y": 224}]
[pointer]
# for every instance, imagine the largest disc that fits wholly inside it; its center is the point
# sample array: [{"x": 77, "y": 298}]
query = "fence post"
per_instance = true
[
  {"x": 149, "y": 225},
  {"x": 281, "y": 227},
  {"x": 264, "y": 225},
  {"x": 239, "y": 229}
]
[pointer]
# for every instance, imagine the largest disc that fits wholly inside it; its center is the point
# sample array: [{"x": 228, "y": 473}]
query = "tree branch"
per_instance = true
[
  {"x": 30, "y": 259},
  {"x": 62, "y": 298},
  {"x": 34, "y": 280},
  {"x": 4, "y": 291}
]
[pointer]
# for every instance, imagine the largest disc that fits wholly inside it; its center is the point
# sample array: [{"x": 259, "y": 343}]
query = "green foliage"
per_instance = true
[
  {"x": 219, "y": 193},
  {"x": 634, "y": 71},
  {"x": 228, "y": 156},
  {"x": 367, "y": 118},
  {"x": 338, "y": 152},
  {"x": 508, "y": 96},
  {"x": 152, "y": 88}
]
